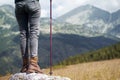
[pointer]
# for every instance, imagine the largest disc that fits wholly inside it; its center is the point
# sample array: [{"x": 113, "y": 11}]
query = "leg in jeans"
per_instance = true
[
  {"x": 34, "y": 32},
  {"x": 22, "y": 19},
  {"x": 34, "y": 17},
  {"x": 34, "y": 22}
]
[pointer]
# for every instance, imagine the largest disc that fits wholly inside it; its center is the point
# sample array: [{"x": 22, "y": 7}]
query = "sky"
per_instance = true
[{"x": 61, "y": 7}]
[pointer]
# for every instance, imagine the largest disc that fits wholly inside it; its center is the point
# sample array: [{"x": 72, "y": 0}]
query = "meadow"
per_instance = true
[
  {"x": 102, "y": 70},
  {"x": 99, "y": 70}
]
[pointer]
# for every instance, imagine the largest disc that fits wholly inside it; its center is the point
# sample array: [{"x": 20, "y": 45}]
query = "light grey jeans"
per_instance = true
[{"x": 28, "y": 17}]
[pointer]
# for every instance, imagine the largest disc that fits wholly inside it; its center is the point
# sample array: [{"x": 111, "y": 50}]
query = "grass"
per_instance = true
[{"x": 102, "y": 70}]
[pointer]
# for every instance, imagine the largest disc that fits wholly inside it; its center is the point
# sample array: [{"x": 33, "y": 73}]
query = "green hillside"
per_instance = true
[{"x": 106, "y": 53}]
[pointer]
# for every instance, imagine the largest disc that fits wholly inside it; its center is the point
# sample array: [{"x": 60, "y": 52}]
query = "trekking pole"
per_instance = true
[{"x": 51, "y": 37}]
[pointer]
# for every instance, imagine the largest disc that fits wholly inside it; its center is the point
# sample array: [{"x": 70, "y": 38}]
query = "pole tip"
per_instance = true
[{"x": 50, "y": 73}]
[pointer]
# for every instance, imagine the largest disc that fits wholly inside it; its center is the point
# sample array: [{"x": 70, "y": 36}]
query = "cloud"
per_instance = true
[
  {"x": 61, "y": 7},
  {"x": 44, "y": 13},
  {"x": 108, "y": 5},
  {"x": 6, "y": 2}
]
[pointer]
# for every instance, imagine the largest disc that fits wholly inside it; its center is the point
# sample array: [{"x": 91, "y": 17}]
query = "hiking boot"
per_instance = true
[
  {"x": 33, "y": 66},
  {"x": 24, "y": 66}
]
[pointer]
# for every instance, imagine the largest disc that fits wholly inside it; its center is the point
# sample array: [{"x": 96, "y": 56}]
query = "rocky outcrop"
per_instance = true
[{"x": 36, "y": 76}]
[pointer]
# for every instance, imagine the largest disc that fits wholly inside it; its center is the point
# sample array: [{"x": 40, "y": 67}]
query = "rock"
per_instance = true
[{"x": 36, "y": 76}]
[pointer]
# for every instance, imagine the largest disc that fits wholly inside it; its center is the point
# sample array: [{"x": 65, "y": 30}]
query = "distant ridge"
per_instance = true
[{"x": 107, "y": 53}]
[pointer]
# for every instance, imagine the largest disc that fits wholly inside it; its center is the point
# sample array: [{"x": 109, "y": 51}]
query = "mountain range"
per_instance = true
[
  {"x": 90, "y": 21},
  {"x": 83, "y": 29}
]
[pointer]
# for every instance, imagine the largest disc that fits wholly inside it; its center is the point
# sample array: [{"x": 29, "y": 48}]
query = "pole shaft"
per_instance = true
[{"x": 50, "y": 37}]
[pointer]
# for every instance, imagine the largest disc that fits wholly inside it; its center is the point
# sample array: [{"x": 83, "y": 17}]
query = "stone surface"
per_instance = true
[{"x": 35, "y": 76}]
